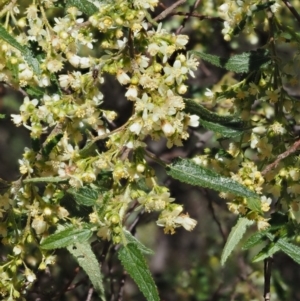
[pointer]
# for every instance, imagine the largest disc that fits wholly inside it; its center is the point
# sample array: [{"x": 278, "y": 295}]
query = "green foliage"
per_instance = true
[
  {"x": 189, "y": 172},
  {"x": 85, "y": 196},
  {"x": 66, "y": 237},
  {"x": 195, "y": 108},
  {"x": 136, "y": 266},
  {"x": 236, "y": 234},
  {"x": 85, "y": 257},
  {"x": 221, "y": 129},
  {"x": 85, "y": 6},
  {"x": 267, "y": 251},
  {"x": 240, "y": 63},
  {"x": 291, "y": 250},
  {"x": 133, "y": 240},
  {"x": 31, "y": 60}
]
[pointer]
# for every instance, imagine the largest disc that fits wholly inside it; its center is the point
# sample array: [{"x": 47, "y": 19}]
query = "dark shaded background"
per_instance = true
[{"x": 186, "y": 265}]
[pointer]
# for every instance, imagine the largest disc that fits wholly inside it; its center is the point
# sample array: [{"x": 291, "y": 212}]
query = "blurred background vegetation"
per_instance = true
[{"x": 186, "y": 265}]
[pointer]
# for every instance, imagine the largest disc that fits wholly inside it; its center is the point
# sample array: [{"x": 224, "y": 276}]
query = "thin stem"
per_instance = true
[
  {"x": 198, "y": 16},
  {"x": 267, "y": 276},
  {"x": 282, "y": 156},
  {"x": 187, "y": 17},
  {"x": 168, "y": 10},
  {"x": 90, "y": 294},
  {"x": 292, "y": 9},
  {"x": 7, "y": 8}
]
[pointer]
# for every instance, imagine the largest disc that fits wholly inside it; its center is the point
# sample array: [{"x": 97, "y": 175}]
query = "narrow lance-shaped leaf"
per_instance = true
[
  {"x": 221, "y": 129},
  {"x": 85, "y": 6},
  {"x": 66, "y": 238},
  {"x": 135, "y": 264},
  {"x": 266, "y": 252},
  {"x": 28, "y": 56},
  {"x": 236, "y": 234},
  {"x": 255, "y": 239},
  {"x": 87, "y": 260},
  {"x": 240, "y": 63},
  {"x": 289, "y": 249},
  {"x": 187, "y": 171},
  {"x": 131, "y": 239},
  {"x": 193, "y": 107}
]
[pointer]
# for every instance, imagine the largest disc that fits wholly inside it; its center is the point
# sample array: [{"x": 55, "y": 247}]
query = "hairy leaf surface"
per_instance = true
[
  {"x": 240, "y": 63},
  {"x": 84, "y": 196},
  {"x": 133, "y": 261},
  {"x": 28, "y": 56},
  {"x": 66, "y": 238},
  {"x": 84, "y": 6},
  {"x": 131, "y": 239},
  {"x": 236, "y": 234},
  {"x": 86, "y": 258},
  {"x": 187, "y": 171},
  {"x": 193, "y": 107},
  {"x": 224, "y": 131}
]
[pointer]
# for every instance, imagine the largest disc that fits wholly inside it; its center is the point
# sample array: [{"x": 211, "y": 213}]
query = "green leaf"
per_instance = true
[
  {"x": 35, "y": 91},
  {"x": 131, "y": 239},
  {"x": 2, "y": 116},
  {"x": 255, "y": 239},
  {"x": 254, "y": 204},
  {"x": 266, "y": 252},
  {"x": 65, "y": 238},
  {"x": 193, "y": 107},
  {"x": 135, "y": 264},
  {"x": 289, "y": 249},
  {"x": 240, "y": 63},
  {"x": 84, "y": 196},
  {"x": 28, "y": 56},
  {"x": 84, "y": 6},
  {"x": 51, "y": 143},
  {"x": 45, "y": 179},
  {"x": 236, "y": 234},
  {"x": 187, "y": 171},
  {"x": 221, "y": 129},
  {"x": 87, "y": 260}
]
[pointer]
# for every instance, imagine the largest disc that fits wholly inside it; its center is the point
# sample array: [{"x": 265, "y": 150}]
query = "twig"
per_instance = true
[
  {"x": 267, "y": 276},
  {"x": 212, "y": 210},
  {"x": 198, "y": 16},
  {"x": 90, "y": 294},
  {"x": 121, "y": 290},
  {"x": 282, "y": 156},
  {"x": 292, "y": 9},
  {"x": 186, "y": 18},
  {"x": 168, "y": 10}
]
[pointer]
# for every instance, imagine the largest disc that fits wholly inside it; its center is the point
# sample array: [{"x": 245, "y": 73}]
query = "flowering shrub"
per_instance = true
[{"x": 61, "y": 79}]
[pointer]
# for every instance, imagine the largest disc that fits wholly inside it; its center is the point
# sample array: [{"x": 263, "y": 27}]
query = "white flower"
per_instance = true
[
  {"x": 186, "y": 222},
  {"x": 123, "y": 78},
  {"x": 73, "y": 59},
  {"x": 181, "y": 41},
  {"x": 194, "y": 121},
  {"x": 274, "y": 7},
  {"x": 132, "y": 92},
  {"x": 64, "y": 80},
  {"x": 259, "y": 130},
  {"x": 168, "y": 129},
  {"x": 17, "y": 119},
  {"x": 153, "y": 49},
  {"x": 136, "y": 128},
  {"x": 85, "y": 62}
]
